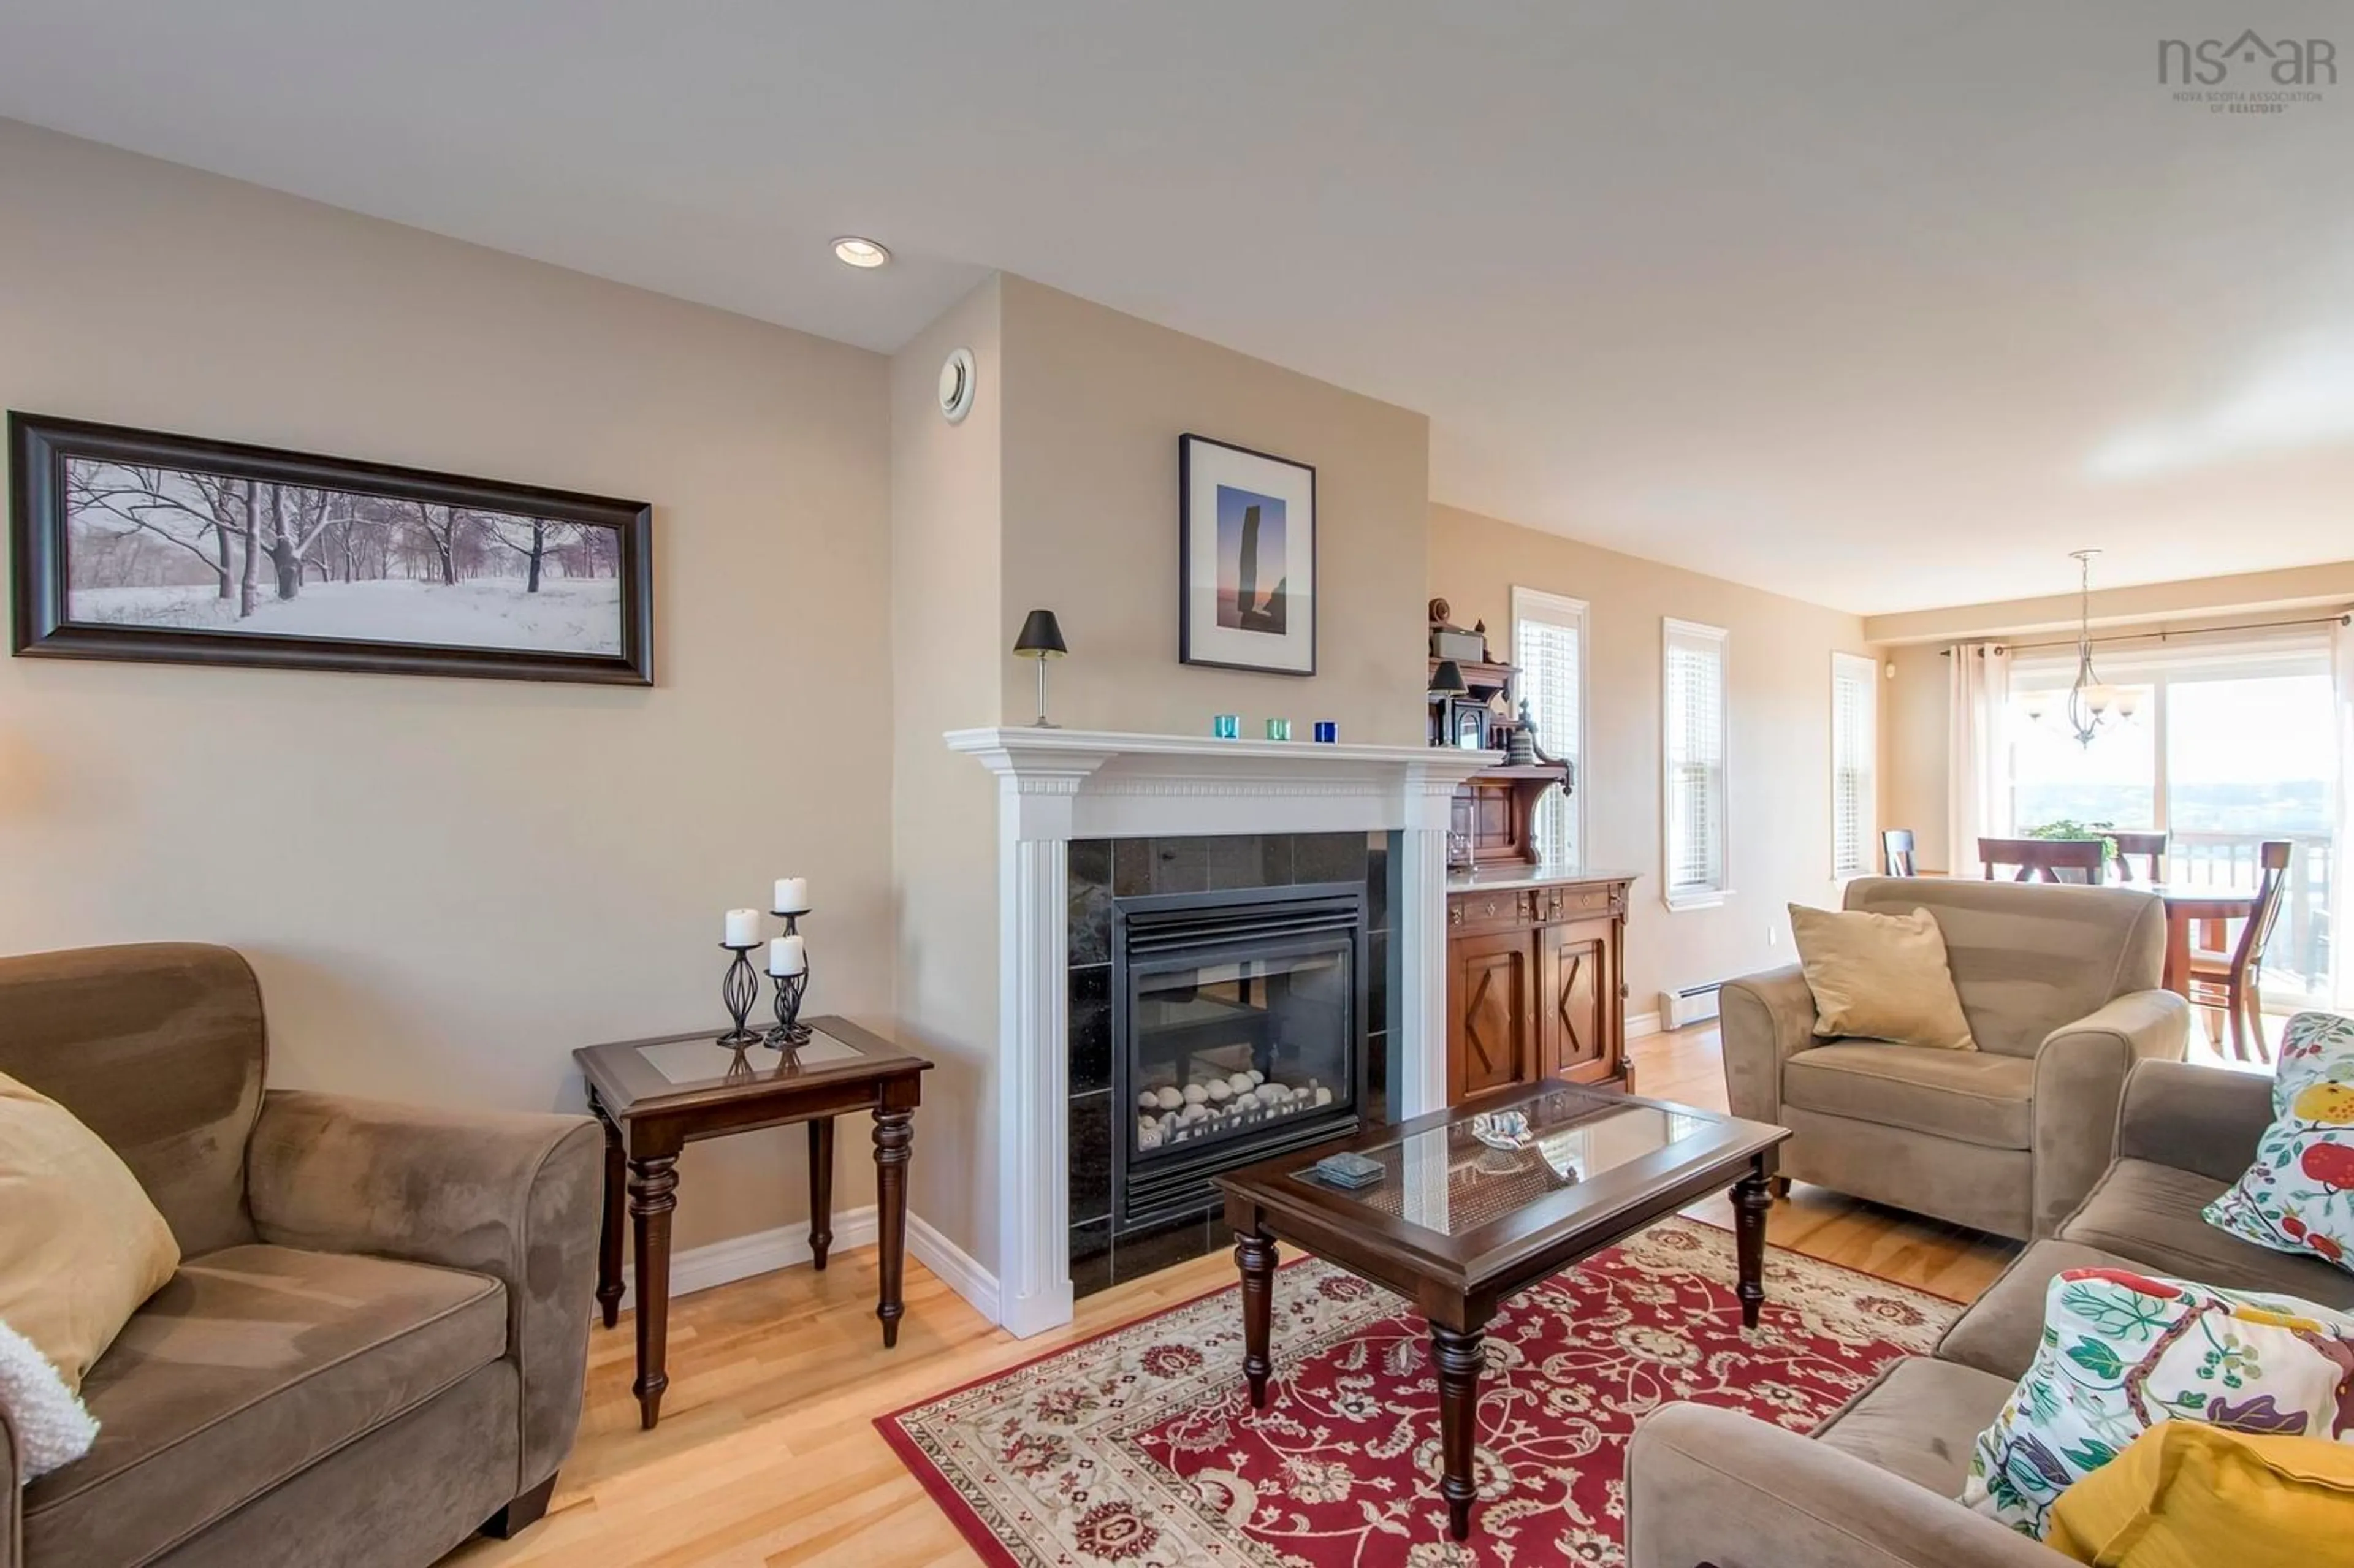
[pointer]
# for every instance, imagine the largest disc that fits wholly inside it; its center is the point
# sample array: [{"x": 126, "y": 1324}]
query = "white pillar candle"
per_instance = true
[
  {"x": 743, "y": 928},
  {"x": 793, "y": 895},
  {"x": 787, "y": 956}
]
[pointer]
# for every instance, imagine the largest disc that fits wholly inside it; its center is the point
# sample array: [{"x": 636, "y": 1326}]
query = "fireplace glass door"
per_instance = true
[
  {"x": 1239, "y": 1032},
  {"x": 1227, "y": 1049}
]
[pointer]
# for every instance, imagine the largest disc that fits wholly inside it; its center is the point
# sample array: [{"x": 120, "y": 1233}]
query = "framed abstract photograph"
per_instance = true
[
  {"x": 1246, "y": 559},
  {"x": 132, "y": 545}
]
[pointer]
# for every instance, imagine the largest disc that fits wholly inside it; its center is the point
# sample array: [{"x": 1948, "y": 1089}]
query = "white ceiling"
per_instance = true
[{"x": 1884, "y": 305}]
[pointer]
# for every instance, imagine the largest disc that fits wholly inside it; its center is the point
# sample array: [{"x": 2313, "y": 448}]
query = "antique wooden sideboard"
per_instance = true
[{"x": 1536, "y": 979}]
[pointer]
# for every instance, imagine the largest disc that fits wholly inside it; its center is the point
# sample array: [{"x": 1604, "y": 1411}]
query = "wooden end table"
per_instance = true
[
  {"x": 657, "y": 1096},
  {"x": 1481, "y": 1201}
]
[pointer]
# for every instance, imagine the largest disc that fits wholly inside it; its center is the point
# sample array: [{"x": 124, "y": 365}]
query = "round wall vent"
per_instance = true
[{"x": 957, "y": 376}]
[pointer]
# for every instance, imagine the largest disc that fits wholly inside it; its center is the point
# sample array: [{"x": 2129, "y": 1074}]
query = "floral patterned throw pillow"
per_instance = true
[
  {"x": 2299, "y": 1194},
  {"x": 2123, "y": 1351}
]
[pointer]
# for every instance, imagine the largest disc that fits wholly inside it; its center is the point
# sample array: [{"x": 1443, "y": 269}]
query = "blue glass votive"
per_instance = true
[{"x": 1327, "y": 732}]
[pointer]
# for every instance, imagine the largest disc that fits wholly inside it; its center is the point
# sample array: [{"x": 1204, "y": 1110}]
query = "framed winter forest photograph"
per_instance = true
[{"x": 134, "y": 544}]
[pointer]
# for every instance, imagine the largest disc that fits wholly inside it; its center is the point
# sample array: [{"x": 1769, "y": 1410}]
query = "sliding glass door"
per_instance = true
[{"x": 2229, "y": 745}]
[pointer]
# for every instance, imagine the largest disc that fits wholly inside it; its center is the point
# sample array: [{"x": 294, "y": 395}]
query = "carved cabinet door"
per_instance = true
[
  {"x": 1491, "y": 1014},
  {"x": 1578, "y": 991}
]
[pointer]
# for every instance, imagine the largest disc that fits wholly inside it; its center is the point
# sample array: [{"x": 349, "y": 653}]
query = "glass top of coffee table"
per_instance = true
[{"x": 1485, "y": 1165}]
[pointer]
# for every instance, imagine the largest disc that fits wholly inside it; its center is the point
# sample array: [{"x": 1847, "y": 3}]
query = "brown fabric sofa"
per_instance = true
[
  {"x": 1874, "y": 1485},
  {"x": 375, "y": 1340},
  {"x": 2061, "y": 989}
]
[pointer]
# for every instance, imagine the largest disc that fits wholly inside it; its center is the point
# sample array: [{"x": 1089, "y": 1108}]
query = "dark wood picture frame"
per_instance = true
[
  {"x": 1187, "y": 651},
  {"x": 39, "y": 447}
]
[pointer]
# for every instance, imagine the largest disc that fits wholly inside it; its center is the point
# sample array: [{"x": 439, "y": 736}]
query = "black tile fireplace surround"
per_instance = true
[{"x": 1140, "y": 1198}]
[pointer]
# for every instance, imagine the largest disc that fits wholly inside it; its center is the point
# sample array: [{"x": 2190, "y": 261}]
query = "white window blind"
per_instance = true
[
  {"x": 1548, "y": 646},
  {"x": 1695, "y": 732},
  {"x": 1854, "y": 747}
]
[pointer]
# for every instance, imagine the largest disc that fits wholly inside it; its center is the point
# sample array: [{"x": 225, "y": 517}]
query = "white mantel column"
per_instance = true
[
  {"x": 1033, "y": 1081},
  {"x": 1035, "y": 800},
  {"x": 1419, "y": 927}
]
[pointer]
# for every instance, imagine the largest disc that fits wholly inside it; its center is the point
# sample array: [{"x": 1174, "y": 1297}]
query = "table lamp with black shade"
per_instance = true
[
  {"x": 1041, "y": 639},
  {"x": 1446, "y": 683}
]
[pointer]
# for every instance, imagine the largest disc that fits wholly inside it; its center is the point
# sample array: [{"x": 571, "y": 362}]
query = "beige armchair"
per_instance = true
[
  {"x": 2061, "y": 986},
  {"x": 376, "y": 1341}
]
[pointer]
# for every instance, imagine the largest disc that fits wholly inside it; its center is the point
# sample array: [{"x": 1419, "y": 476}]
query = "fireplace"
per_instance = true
[
  {"x": 1238, "y": 1032},
  {"x": 1196, "y": 963},
  {"x": 1088, "y": 817}
]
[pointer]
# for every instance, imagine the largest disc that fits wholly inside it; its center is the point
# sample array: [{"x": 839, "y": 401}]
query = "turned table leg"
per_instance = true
[
  {"x": 1752, "y": 1195},
  {"x": 820, "y": 1189},
  {"x": 895, "y": 1133},
  {"x": 653, "y": 1185},
  {"x": 612, "y": 1227},
  {"x": 1457, "y": 1357},
  {"x": 1254, "y": 1256}
]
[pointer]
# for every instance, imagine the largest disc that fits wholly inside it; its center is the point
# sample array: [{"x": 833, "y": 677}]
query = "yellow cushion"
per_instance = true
[
  {"x": 2188, "y": 1495},
  {"x": 1879, "y": 977},
  {"x": 82, "y": 1246}
]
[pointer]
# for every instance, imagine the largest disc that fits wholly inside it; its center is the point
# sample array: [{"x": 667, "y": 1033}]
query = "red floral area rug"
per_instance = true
[{"x": 1140, "y": 1447}]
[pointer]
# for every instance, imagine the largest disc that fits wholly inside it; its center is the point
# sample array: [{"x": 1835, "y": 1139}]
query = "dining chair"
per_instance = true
[
  {"x": 2043, "y": 860},
  {"x": 1896, "y": 852},
  {"x": 2151, "y": 847},
  {"x": 2227, "y": 982}
]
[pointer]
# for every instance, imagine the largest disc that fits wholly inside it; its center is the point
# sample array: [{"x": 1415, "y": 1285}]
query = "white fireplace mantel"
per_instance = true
[{"x": 1056, "y": 784}]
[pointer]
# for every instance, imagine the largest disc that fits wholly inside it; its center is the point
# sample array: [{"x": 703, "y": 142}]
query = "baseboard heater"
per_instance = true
[{"x": 1690, "y": 1005}]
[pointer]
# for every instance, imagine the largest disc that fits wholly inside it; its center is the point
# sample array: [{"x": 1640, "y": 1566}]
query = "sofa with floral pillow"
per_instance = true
[{"x": 1881, "y": 1483}]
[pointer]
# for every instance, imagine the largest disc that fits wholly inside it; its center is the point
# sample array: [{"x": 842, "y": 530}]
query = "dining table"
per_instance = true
[{"x": 2205, "y": 906}]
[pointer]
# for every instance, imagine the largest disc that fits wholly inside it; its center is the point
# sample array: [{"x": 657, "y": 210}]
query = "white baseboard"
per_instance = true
[
  {"x": 740, "y": 1257},
  {"x": 954, "y": 1266},
  {"x": 1641, "y": 1023}
]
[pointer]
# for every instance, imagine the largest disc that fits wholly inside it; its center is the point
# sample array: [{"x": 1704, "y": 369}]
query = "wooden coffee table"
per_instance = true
[{"x": 1459, "y": 1221}]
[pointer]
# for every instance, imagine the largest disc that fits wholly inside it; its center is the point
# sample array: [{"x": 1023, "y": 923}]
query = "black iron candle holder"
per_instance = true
[
  {"x": 790, "y": 1032},
  {"x": 793, "y": 919},
  {"x": 739, "y": 989}
]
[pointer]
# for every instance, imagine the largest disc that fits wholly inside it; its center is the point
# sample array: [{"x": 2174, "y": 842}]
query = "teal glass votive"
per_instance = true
[
  {"x": 1226, "y": 727},
  {"x": 1278, "y": 729}
]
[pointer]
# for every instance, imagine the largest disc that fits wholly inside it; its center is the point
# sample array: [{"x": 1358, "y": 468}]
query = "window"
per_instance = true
[
  {"x": 1549, "y": 645},
  {"x": 2229, "y": 743},
  {"x": 1694, "y": 730},
  {"x": 1854, "y": 746}
]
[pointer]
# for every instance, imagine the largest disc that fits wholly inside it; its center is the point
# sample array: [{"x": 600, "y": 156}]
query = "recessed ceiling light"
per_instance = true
[{"x": 856, "y": 253}]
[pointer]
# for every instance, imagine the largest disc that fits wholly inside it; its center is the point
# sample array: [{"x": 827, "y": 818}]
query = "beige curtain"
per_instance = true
[
  {"x": 2341, "y": 953},
  {"x": 1978, "y": 750}
]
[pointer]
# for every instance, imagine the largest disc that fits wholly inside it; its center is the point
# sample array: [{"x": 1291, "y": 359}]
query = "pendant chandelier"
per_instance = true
[{"x": 2092, "y": 701}]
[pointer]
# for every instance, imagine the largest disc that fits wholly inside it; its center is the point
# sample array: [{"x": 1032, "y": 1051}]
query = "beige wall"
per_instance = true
[
  {"x": 1779, "y": 834},
  {"x": 1060, "y": 489},
  {"x": 946, "y": 550},
  {"x": 448, "y": 884},
  {"x": 1094, "y": 401},
  {"x": 1913, "y": 719}
]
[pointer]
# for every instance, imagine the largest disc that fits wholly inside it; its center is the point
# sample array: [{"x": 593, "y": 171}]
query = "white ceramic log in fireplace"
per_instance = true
[{"x": 1056, "y": 784}]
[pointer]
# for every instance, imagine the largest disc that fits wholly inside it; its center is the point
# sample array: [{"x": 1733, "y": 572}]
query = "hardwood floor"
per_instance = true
[{"x": 767, "y": 1454}]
